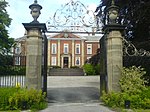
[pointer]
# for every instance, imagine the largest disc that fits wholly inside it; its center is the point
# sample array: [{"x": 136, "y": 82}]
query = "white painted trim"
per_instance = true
[
  {"x": 65, "y": 39},
  {"x": 77, "y": 45},
  {"x": 73, "y": 49},
  {"x": 58, "y": 49},
  {"x": 66, "y": 45},
  {"x": 82, "y": 56},
  {"x": 54, "y": 47},
  {"x": 89, "y": 46},
  {"x": 92, "y": 41}
]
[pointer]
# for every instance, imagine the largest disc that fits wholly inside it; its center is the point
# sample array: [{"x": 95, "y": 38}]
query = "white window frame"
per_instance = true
[
  {"x": 54, "y": 48},
  {"x": 77, "y": 47},
  {"x": 17, "y": 60},
  {"x": 89, "y": 48},
  {"x": 17, "y": 50},
  {"x": 66, "y": 48},
  {"x": 53, "y": 61},
  {"x": 77, "y": 58}
]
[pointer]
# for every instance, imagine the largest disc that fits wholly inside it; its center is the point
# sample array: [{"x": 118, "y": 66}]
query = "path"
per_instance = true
[{"x": 74, "y": 94}]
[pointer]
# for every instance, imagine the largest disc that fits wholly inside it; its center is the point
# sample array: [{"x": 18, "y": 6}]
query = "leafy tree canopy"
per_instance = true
[
  {"x": 135, "y": 14},
  {"x": 5, "y": 20}
]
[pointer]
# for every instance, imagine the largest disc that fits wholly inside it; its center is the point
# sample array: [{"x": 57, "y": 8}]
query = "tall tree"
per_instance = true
[
  {"x": 5, "y": 20},
  {"x": 135, "y": 14}
]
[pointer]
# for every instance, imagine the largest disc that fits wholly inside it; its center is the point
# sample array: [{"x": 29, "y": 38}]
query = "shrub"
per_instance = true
[
  {"x": 74, "y": 67},
  {"x": 137, "y": 101},
  {"x": 132, "y": 80},
  {"x": 89, "y": 69},
  {"x": 27, "y": 99},
  {"x": 133, "y": 89},
  {"x": 6, "y": 60},
  {"x": 113, "y": 99},
  {"x": 17, "y": 98},
  {"x": 97, "y": 69},
  {"x": 143, "y": 61},
  {"x": 12, "y": 70},
  {"x": 5, "y": 94},
  {"x": 145, "y": 95}
]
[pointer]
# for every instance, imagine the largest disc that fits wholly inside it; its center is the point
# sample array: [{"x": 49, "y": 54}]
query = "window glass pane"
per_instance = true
[
  {"x": 89, "y": 48},
  {"x": 66, "y": 49},
  {"x": 17, "y": 60},
  {"x": 53, "y": 61},
  {"x": 17, "y": 50},
  {"x": 77, "y": 61},
  {"x": 77, "y": 48},
  {"x": 54, "y": 48}
]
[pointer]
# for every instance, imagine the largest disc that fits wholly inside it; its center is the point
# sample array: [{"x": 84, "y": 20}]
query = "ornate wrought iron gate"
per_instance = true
[
  {"x": 73, "y": 17},
  {"x": 44, "y": 66},
  {"x": 133, "y": 56}
]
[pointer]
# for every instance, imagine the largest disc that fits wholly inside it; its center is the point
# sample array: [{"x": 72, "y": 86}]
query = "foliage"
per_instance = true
[
  {"x": 145, "y": 96},
  {"x": 143, "y": 61},
  {"x": 6, "y": 60},
  {"x": 18, "y": 99},
  {"x": 137, "y": 101},
  {"x": 5, "y": 41},
  {"x": 95, "y": 62},
  {"x": 135, "y": 14},
  {"x": 95, "y": 59},
  {"x": 31, "y": 99},
  {"x": 12, "y": 70},
  {"x": 5, "y": 93},
  {"x": 74, "y": 67},
  {"x": 132, "y": 81},
  {"x": 133, "y": 89},
  {"x": 113, "y": 99},
  {"x": 89, "y": 69},
  {"x": 97, "y": 69}
]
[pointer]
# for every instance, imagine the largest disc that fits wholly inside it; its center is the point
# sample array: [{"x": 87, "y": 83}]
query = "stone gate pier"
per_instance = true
[
  {"x": 111, "y": 51},
  {"x": 34, "y": 48}
]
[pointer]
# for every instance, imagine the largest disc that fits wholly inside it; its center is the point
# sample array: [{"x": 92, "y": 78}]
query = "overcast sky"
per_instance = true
[{"x": 20, "y": 13}]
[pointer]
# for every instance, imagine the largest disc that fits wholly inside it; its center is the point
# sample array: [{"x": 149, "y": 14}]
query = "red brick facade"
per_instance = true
[
  {"x": 64, "y": 49},
  {"x": 67, "y": 49}
]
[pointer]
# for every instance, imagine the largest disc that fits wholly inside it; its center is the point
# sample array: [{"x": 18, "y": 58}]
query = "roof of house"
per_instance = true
[
  {"x": 92, "y": 38},
  {"x": 21, "y": 38},
  {"x": 67, "y": 36}
]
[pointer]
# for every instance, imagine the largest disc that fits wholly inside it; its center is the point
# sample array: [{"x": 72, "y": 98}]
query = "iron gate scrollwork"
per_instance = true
[
  {"x": 133, "y": 56},
  {"x": 75, "y": 17},
  {"x": 44, "y": 63},
  {"x": 130, "y": 50}
]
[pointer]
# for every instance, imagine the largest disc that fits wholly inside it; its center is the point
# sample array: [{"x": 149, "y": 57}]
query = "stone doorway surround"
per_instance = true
[{"x": 66, "y": 64}]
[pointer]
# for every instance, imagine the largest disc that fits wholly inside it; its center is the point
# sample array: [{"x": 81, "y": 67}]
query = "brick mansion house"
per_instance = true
[{"x": 64, "y": 49}]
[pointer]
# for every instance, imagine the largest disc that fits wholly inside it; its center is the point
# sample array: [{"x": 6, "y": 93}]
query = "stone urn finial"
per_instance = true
[
  {"x": 35, "y": 11},
  {"x": 113, "y": 12}
]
